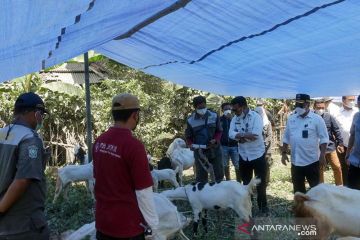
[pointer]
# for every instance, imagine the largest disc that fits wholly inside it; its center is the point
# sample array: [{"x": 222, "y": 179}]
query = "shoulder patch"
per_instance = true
[{"x": 33, "y": 151}]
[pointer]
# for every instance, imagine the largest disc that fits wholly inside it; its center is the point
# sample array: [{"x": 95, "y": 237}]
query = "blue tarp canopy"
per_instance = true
[{"x": 255, "y": 48}]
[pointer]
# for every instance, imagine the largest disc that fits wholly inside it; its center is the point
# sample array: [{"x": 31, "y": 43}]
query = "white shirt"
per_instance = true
[
  {"x": 344, "y": 119},
  {"x": 305, "y": 151},
  {"x": 251, "y": 123},
  {"x": 333, "y": 109}
]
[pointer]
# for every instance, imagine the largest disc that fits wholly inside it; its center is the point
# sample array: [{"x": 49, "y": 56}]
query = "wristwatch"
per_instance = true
[{"x": 148, "y": 231}]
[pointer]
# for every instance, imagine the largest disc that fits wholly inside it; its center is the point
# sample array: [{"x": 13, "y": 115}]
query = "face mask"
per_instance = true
[
  {"x": 38, "y": 126},
  {"x": 201, "y": 111},
  {"x": 300, "y": 111},
  {"x": 320, "y": 111},
  {"x": 350, "y": 104},
  {"x": 227, "y": 112}
]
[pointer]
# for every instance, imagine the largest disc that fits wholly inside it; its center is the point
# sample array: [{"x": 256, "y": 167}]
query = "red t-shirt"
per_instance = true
[{"x": 120, "y": 168}]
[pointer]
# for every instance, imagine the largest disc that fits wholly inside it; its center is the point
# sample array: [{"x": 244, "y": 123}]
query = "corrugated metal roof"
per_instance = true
[{"x": 72, "y": 73}]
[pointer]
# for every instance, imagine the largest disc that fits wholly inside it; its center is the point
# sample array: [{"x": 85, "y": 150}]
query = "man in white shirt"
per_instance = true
[
  {"x": 331, "y": 107},
  {"x": 304, "y": 132},
  {"x": 344, "y": 119},
  {"x": 246, "y": 128}
]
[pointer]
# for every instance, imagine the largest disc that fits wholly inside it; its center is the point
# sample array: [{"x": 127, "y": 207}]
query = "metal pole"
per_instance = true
[{"x": 88, "y": 107}]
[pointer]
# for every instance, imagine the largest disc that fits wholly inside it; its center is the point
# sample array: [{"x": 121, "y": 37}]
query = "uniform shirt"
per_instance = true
[
  {"x": 250, "y": 123},
  {"x": 354, "y": 157},
  {"x": 22, "y": 157},
  {"x": 120, "y": 168},
  {"x": 344, "y": 119},
  {"x": 305, "y": 150},
  {"x": 202, "y": 129}
]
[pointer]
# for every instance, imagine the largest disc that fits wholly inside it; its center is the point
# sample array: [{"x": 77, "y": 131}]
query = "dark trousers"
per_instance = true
[
  {"x": 214, "y": 156},
  {"x": 344, "y": 166},
  {"x": 298, "y": 174},
  {"x": 101, "y": 236},
  {"x": 38, "y": 234},
  {"x": 259, "y": 167},
  {"x": 354, "y": 177},
  {"x": 269, "y": 163}
]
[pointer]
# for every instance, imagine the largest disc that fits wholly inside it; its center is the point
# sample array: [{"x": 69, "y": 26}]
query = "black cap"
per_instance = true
[
  {"x": 302, "y": 98},
  {"x": 30, "y": 100},
  {"x": 239, "y": 100},
  {"x": 198, "y": 100}
]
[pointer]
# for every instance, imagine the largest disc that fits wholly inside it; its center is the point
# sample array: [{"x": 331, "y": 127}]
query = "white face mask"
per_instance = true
[
  {"x": 320, "y": 111},
  {"x": 227, "y": 112},
  {"x": 350, "y": 104},
  {"x": 201, "y": 111},
  {"x": 300, "y": 111}
]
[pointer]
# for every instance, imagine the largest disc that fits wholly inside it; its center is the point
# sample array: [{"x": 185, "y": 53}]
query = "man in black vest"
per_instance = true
[{"x": 203, "y": 128}]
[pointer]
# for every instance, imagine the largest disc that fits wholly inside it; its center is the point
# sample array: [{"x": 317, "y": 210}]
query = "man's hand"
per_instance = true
[
  {"x": 284, "y": 158},
  {"x": 340, "y": 148},
  {"x": 213, "y": 141},
  {"x": 322, "y": 160},
  {"x": 250, "y": 136}
]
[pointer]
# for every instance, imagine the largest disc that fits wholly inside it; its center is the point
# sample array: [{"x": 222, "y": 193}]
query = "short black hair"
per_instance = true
[
  {"x": 225, "y": 104},
  {"x": 343, "y": 97},
  {"x": 239, "y": 100},
  {"x": 358, "y": 99},
  {"x": 198, "y": 100},
  {"x": 123, "y": 115}
]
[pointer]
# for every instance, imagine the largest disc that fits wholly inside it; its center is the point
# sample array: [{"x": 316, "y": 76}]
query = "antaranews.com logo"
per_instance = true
[{"x": 274, "y": 228}]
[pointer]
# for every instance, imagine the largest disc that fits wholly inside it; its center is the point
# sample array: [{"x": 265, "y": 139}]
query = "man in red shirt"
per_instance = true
[{"x": 123, "y": 188}]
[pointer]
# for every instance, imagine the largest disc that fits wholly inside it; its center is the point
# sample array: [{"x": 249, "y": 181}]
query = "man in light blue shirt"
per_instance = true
[
  {"x": 353, "y": 152},
  {"x": 305, "y": 131}
]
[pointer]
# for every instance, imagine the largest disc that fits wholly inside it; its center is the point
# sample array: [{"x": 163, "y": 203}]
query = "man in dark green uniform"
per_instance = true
[{"x": 22, "y": 178}]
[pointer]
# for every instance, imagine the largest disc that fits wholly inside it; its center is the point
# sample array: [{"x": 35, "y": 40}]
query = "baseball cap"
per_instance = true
[
  {"x": 302, "y": 98},
  {"x": 125, "y": 101},
  {"x": 30, "y": 100}
]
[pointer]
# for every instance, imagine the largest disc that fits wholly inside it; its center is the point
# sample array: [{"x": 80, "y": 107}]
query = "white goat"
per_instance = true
[
  {"x": 334, "y": 209},
  {"x": 180, "y": 156},
  {"x": 171, "y": 222},
  {"x": 164, "y": 174},
  {"x": 226, "y": 194},
  {"x": 74, "y": 173}
]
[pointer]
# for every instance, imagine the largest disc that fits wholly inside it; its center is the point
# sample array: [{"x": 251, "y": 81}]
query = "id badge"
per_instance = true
[{"x": 305, "y": 133}]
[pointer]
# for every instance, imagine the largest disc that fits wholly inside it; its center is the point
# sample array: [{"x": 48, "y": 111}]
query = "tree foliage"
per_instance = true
[{"x": 164, "y": 107}]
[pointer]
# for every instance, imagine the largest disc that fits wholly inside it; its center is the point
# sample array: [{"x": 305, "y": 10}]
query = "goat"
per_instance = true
[
  {"x": 334, "y": 209},
  {"x": 180, "y": 156},
  {"x": 226, "y": 194},
  {"x": 74, "y": 173},
  {"x": 164, "y": 174},
  {"x": 171, "y": 222}
]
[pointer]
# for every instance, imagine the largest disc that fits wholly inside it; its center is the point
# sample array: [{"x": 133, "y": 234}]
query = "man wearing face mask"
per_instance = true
[
  {"x": 353, "y": 152},
  {"x": 344, "y": 119},
  {"x": 247, "y": 128},
  {"x": 123, "y": 187},
  {"x": 335, "y": 142},
  {"x": 228, "y": 145},
  {"x": 204, "y": 128},
  {"x": 305, "y": 131},
  {"x": 22, "y": 178}
]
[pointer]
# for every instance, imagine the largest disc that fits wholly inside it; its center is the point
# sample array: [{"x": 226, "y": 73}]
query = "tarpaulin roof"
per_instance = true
[{"x": 256, "y": 48}]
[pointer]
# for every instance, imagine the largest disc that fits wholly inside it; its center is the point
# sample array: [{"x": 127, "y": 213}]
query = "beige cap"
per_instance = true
[{"x": 125, "y": 101}]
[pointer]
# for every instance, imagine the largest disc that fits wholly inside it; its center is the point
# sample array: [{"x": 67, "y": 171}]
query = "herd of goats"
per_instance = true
[{"x": 334, "y": 209}]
